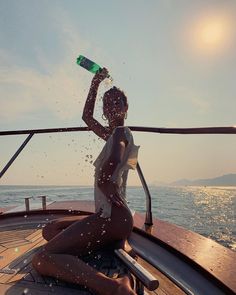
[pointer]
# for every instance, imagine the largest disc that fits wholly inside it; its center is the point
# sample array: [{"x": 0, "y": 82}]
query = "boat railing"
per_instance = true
[
  {"x": 148, "y": 219},
  {"x": 27, "y": 202}
]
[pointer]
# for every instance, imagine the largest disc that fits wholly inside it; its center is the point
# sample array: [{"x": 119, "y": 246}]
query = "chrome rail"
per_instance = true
[
  {"x": 148, "y": 218},
  {"x": 27, "y": 202}
]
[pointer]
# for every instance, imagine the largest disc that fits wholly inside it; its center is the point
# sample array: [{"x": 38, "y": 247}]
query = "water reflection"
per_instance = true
[
  {"x": 215, "y": 209},
  {"x": 209, "y": 211}
]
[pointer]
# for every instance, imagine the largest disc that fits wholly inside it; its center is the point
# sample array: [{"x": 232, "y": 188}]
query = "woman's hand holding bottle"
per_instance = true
[{"x": 100, "y": 76}]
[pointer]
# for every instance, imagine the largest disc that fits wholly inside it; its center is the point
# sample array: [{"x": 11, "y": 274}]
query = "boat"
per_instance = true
[{"x": 170, "y": 260}]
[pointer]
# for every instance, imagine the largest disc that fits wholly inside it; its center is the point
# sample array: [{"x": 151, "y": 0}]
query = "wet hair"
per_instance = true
[{"x": 117, "y": 93}]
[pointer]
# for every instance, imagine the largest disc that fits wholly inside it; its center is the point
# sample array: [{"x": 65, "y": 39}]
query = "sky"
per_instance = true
[{"x": 174, "y": 59}]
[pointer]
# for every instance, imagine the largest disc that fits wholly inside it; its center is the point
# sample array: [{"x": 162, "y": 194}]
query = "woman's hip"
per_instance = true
[{"x": 122, "y": 220}]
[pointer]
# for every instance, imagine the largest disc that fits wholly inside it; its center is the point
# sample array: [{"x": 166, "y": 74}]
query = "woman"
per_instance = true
[{"x": 112, "y": 222}]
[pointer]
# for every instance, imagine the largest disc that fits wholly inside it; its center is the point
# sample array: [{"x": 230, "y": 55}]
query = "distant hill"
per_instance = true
[{"x": 224, "y": 180}]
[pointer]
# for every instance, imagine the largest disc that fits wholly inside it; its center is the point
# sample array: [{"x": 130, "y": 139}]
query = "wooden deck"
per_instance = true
[{"x": 21, "y": 237}]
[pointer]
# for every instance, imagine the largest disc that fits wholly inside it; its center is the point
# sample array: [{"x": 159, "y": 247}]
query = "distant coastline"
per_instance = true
[{"x": 224, "y": 180}]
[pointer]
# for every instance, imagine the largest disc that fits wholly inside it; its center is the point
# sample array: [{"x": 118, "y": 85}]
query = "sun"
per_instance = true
[{"x": 211, "y": 34}]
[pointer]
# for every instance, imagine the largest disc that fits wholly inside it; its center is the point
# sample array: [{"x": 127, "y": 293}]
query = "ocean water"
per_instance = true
[{"x": 209, "y": 211}]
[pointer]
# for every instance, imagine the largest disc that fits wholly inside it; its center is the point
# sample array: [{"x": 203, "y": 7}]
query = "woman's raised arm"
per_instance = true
[{"x": 87, "y": 116}]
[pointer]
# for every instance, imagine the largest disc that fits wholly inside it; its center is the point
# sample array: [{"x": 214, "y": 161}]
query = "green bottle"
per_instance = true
[{"x": 88, "y": 64}]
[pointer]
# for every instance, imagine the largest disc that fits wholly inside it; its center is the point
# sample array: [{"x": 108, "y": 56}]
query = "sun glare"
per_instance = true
[{"x": 211, "y": 34}]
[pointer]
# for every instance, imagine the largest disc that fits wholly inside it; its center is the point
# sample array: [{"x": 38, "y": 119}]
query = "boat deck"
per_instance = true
[{"x": 21, "y": 237}]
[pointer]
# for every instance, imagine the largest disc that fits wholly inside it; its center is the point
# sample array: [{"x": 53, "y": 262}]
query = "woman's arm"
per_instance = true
[
  {"x": 87, "y": 116},
  {"x": 106, "y": 185}
]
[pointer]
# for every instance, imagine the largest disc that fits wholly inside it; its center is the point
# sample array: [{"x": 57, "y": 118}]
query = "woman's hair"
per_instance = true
[{"x": 117, "y": 93}]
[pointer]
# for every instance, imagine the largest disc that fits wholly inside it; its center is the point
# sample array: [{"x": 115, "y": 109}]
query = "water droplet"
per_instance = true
[
  {"x": 39, "y": 263},
  {"x": 81, "y": 234},
  {"x": 98, "y": 241},
  {"x": 25, "y": 216},
  {"x": 25, "y": 261},
  {"x": 26, "y": 290},
  {"x": 16, "y": 250},
  {"x": 103, "y": 232}
]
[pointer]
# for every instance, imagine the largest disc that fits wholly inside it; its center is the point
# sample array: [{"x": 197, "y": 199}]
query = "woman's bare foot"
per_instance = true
[{"x": 125, "y": 285}]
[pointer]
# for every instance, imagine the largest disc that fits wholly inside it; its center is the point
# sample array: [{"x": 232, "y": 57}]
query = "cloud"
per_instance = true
[
  {"x": 57, "y": 88},
  {"x": 24, "y": 90},
  {"x": 200, "y": 102}
]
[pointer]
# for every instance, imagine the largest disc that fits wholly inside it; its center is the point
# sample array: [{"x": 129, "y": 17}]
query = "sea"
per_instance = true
[{"x": 209, "y": 211}]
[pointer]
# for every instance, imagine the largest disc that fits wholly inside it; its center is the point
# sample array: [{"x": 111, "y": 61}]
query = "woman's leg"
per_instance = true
[
  {"x": 92, "y": 233},
  {"x": 55, "y": 226},
  {"x": 81, "y": 238},
  {"x": 71, "y": 269}
]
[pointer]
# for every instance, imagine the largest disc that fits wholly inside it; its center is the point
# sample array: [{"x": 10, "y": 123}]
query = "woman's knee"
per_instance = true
[
  {"x": 50, "y": 230},
  {"x": 55, "y": 226}
]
